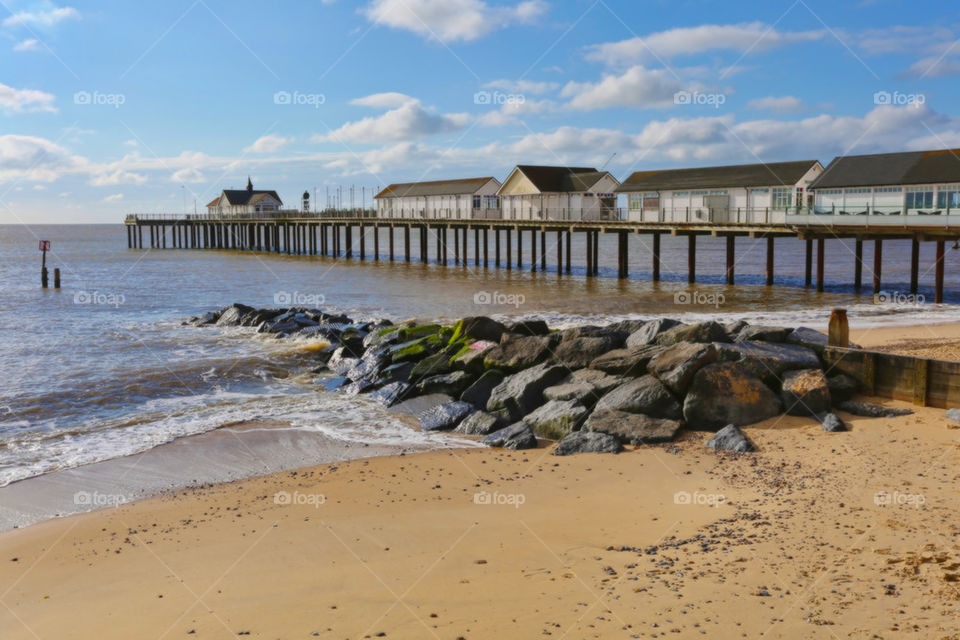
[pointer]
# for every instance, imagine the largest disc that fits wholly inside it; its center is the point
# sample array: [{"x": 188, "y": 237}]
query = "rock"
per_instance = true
[
  {"x": 762, "y": 333},
  {"x": 516, "y": 436},
  {"x": 577, "y": 353},
  {"x": 434, "y": 365},
  {"x": 805, "y": 392},
  {"x": 702, "y": 332},
  {"x": 649, "y": 332},
  {"x": 452, "y": 384},
  {"x": 340, "y": 362},
  {"x": 614, "y": 336},
  {"x": 727, "y": 393},
  {"x": 352, "y": 340},
  {"x": 210, "y": 317},
  {"x": 479, "y": 328},
  {"x": 530, "y": 328},
  {"x": 480, "y": 423},
  {"x": 632, "y": 428},
  {"x": 676, "y": 366},
  {"x": 390, "y": 394},
  {"x": 333, "y": 384},
  {"x": 602, "y": 382},
  {"x": 557, "y": 418},
  {"x": 445, "y": 416},
  {"x": 730, "y": 438},
  {"x": 769, "y": 361},
  {"x": 842, "y": 387},
  {"x": 587, "y": 442},
  {"x": 522, "y": 392},
  {"x": 284, "y": 327},
  {"x": 579, "y": 391},
  {"x": 410, "y": 351},
  {"x": 627, "y": 327},
  {"x": 232, "y": 315},
  {"x": 406, "y": 334},
  {"x": 478, "y": 393},
  {"x": 870, "y": 410},
  {"x": 735, "y": 327},
  {"x": 357, "y": 387},
  {"x": 515, "y": 353},
  {"x": 809, "y": 338},
  {"x": 370, "y": 365},
  {"x": 645, "y": 395},
  {"x": 399, "y": 372},
  {"x": 953, "y": 414},
  {"x": 831, "y": 422},
  {"x": 471, "y": 359},
  {"x": 631, "y": 361}
]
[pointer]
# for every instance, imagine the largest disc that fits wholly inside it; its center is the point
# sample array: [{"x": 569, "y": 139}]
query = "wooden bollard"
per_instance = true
[
  {"x": 56, "y": 278},
  {"x": 838, "y": 333}
]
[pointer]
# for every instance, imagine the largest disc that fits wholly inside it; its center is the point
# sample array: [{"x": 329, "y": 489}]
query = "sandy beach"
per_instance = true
[
  {"x": 818, "y": 535},
  {"x": 940, "y": 341}
]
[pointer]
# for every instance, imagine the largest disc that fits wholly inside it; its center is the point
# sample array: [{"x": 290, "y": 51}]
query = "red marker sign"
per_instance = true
[{"x": 44, "y": 245}]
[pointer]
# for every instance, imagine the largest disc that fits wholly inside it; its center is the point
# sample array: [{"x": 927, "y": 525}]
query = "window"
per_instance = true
[
  {"x": 636, "y": 201},
  {"x": 719, "y": 192},
  {"x": 681, "y": 194},
  {"x": 476, "y": 202},
  {"x": 698, "y": 193},
  {"x": 782, "y": 197},
  {"x": 491, "y": 202},
  {"x": 830, "y": 192},
  {"x": 920, "y": 198},
  {"x": 888, "y": 190},
  {"x": 948, "y": 197},
  {"x": 760, "y": 190}
]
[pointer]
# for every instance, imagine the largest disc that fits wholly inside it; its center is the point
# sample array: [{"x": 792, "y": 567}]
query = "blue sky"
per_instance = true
[{"x": 114, "y": 107}]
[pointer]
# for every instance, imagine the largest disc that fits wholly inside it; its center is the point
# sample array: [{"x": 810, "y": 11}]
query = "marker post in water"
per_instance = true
[{"x": 44, "y": 247}]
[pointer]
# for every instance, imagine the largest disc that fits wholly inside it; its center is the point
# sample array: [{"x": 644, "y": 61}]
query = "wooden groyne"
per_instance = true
[
  {"x": 923, "y": 381},
  {"x": 501, "y": 243}
]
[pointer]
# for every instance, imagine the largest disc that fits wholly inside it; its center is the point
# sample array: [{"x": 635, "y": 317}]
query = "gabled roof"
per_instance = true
[
  {"x": 214, "y": 202},
  {"x": 464, "y": 186},
  {"x": 561, "y": 179},
  {"x": 243, "y": 196},
  {"x": 744, "y": 175},
  {"x": 911, "y": 167}
]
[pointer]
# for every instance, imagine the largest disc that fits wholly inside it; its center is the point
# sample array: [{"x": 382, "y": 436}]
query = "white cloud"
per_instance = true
[
  {"x": 526, "y": 87},
  {"x": 688, "y": 41},
  {"x": 131, "y": 143},
  {"x": 268, "y": 144},
  {"x": 934, "y": 67},
  {"x": 188, "y": 175},
  {"x": 32, "y": 158},
  {"x": 20, "y": 100},
  {"x": 771, "y": 103},
  {"x": 117, "y": 197},
  {"x": 42, "y": 18},
  {"x": 388, "y": 100},
  {"x": 117, "y": 177},
  {"x": 407, "y": 122},
  {"x": 637, "y": 87},
  {"x": 451, "y": 20},
  {"x": 30, "y": 44}
]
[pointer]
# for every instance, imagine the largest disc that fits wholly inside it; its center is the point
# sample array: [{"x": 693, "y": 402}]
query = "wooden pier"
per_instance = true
[{"x": 331, "y": 234}]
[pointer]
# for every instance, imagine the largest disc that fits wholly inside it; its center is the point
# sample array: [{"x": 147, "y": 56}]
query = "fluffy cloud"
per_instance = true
[
  {"x": 20, "y": 100},
  {"x": 117, "y": 197},
  {"x": 687, "y": 41},
  {"x": 409, "y": 121},
  {"x": 451, "y": 20},
  {"x": 388, "y": 100},
  {"x": 188, "y": 175},
  {"x": 42, "y": 18},
  {"x": 526, "y": 87},
  {"x": 637, "y": 87},
  {"x": 117, "y": 177},
  {"x": 32, "y": 158},
  {"x": 268, "y": 144},
  {"x": 771, "y": 103},
  {"x": 30, "y": 44}
]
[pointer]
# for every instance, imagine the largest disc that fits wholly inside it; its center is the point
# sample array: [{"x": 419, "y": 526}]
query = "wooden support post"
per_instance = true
[
  {"x": 624, "y": 270},
  {"x": 476, "y": 246},
  {"x": 362, "y": 230},
  {"x": 486, "y": 247},
  {"x": 391, "y": 242},
  {"x": 348, "y": 229},
  {"x": 163, "y": 233},
  {"x": 509, "y": 253},
  {"x": 569, "y": 263},
  {"x": 656, "y": 257},
  {"x": 139, "y": 236},
  {"x": 406, "y": 243},
  {"x": 877, "y": 265},
  {"x": 914, "y": 265},
  {"x": 424, "y": 249},
  {"x": 596, "y": 253},
  {"x": 533, "y": 250},
  {"x": 496, "y": 248},
  {"x": 820, "y": 263},
  {"x": 731, "y": 258},
  {"x": 938, "y": 285},
  {"x": 543, "y": 250},
  {"x": 559, "y": 252},
  {"x": 858, "y": 264},
  {"x": 808, "y": 270},
  {"x": 376, "y": 242},
  {"x": 456, "y": 246},
  {"x": 920, "y": 374},
  {"x": 692, "y": 258},
  {"x": 589, "y": 253},
  {"x": 519, "y": 248},
  {"x": 770, "y": 250}
]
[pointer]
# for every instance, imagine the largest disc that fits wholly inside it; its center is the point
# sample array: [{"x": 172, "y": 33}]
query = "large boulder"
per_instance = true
[
  {"x": 762, "y": 333},
  {"x": 631, "y": 361},
  {"x": 676, "y": 366},
  {"x": 452, "y": 384},
  {"x": 390, "y": 394},
  {"x": 480, "y": 423},
  {"x": 842, "y": 387},
  {"x": 517, "y": 436},
  {"x": 445, "y": 416},
  {"x": 602, "y": 382},
  {"x": 341, "y": 362},
  {"x": 805, "y": 392},
  {"x": 769, "y": 361},
  {"x": 233, "y": 314},
  {"x": 809, "y": 338},
  {"x": 648, "y": 333},
  {"x": 529, "y": 328},
  {"x": 614, "y": 336},
  {"x": 410, "y": 351},
  {"x": 587, "y": 442},
  {"x": 479, "y": 328},
  {"x": 435, "y": 365},
  {"x": 730, "y": 438},
  {"x": 522, "y": 392},
  {"x": 579, "y": 391},
  {"x": 702, "y": 332},
  {"x": 557, "y": 418},
  {"x": 471, "y": 358},
  {"x": 577, "y": 353},
  {"x": 515, "y": 353},
  {"x": 478, "y": 393},
  {"x": 632, "y": 428},
  {"x": 727, "y": 393},
  {"x": 645, "y": 395},
  {"x": 395, "y": 372}
]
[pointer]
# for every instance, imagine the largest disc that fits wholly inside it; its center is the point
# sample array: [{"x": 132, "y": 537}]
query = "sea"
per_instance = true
[{"x": 105, "y": 367}]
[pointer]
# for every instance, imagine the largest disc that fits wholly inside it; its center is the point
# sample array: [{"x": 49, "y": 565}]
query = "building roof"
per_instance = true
[
  {"x": 464, "y": 186},
  {"x": 744, "y": 175},
  {"x": 214, "y": 202},
  {"x": 911, "y": 167},
  {"x": 561, "y": 179},
  {"x": 247, "y": 196}
]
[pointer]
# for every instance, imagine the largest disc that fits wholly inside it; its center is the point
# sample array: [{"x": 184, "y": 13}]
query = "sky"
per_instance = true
[{"x": 119, "y": 107}]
